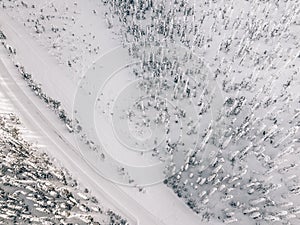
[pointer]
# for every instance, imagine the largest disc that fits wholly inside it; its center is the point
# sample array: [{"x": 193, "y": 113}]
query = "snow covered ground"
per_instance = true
[
  {"x": 201, "y": 95},
  {"x": 144, "y": 207},
  {"x": 34, "y": 190}
]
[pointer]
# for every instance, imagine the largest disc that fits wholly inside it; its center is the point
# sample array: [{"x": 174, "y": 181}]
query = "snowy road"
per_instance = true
[
  {"x": 59, "y": 146},
  {"x": 51, "y": 133},
  {"x": 158, "y": 206}
]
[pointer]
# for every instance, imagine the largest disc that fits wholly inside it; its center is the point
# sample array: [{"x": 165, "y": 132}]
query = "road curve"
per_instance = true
[{"x": 43, "y": 121}]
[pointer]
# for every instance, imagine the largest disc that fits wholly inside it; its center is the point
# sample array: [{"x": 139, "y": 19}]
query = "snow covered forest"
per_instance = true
[{"x": 175, "y": 101}]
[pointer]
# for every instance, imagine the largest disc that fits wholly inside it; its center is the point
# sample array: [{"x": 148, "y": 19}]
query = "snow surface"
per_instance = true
[{"x": 260, "y": 73}]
